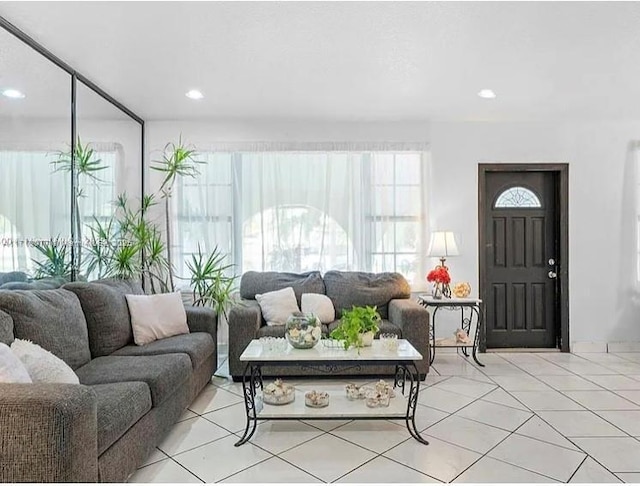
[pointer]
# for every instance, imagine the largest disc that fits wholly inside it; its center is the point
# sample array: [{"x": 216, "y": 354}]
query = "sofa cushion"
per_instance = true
[
  {"x": 6, "y": 328},
  {"x": 198, "y": 345},
  {"x": 120, "y": 405},
  {"x": 346, "y": 289},
  {"x": 386, "y": 327},
  {"x": 107, "y": 313},
  {"x": 157, "y": 316},
  {"x": 52, "y": 319},
  {"x": 278, "y": 331},
  {"x": 163, "y": 374},
  {"x": 253, "y": 283}
]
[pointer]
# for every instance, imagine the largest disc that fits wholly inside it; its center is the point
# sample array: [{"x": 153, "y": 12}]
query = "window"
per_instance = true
[
  {"x": 518, "y": 197},
  {"x": 306, "y": 210}
]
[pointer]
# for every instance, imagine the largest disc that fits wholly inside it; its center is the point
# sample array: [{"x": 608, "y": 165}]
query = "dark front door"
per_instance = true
[{"x": 521, "y": 259}]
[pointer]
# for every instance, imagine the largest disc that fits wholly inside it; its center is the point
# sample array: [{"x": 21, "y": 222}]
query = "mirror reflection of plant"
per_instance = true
[
  {"x": 56, "y": 262},
  {"x": 211, "y": 284},
  {"x": 178, "y": 160},
  {"x": 128, "y": 245},
  {"x": 87, "y": 166}
]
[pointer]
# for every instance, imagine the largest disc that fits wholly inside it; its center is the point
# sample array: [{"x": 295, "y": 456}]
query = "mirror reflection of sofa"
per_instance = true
[
  {"x": 390, "y": 292},
  {"x": 129, "y": 396}
]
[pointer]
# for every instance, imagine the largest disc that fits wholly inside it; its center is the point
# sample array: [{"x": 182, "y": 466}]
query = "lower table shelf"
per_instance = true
[{"x": 339, "y": 406}]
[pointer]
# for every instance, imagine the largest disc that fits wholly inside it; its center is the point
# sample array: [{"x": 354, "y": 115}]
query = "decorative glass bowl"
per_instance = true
[
  {"x": 316, "y": 399},
  {"x": 303, "y": 331},
  {"x": 272, "y": 344},
  {"x": 278, "y": 393},
  {"x": 389, "y": 342}
]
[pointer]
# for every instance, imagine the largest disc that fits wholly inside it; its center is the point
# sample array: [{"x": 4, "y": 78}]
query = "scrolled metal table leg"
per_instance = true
[
  {"x": 249, "y": 389},
  {"x": 412, "y": 402},
  {"x": 432, "y": 337},
  {"x": 476, "y": 339},
  {"x": 466, "y": 326}
]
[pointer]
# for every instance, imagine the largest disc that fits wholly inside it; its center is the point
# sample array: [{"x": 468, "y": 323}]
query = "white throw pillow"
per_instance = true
[
  {"x": 320, "y": 305},
  {"x": 156, "y": 316},
  {"x": 277, "y": 306},
  {"x": 42, "y": 365},
  {"x": 11, "y": 368}
]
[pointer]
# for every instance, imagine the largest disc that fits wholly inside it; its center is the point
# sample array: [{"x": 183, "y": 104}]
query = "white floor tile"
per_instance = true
[
  {"x": 273, "y": 470},
  {"x": 568, "y": 382},
  {"x": 383, "y": 470},
  {"x": 326, "y": 425},
  {"x": 502, "y": 369},
  {"x": 501, "y": 397},
  {"x": 625, "y": 368},
  {"x": 520, "y": 383},
  {"x": 375, "y": 435},
  {"x": 580, "y": 424},
  {"x": 425, "y": 417},
  {"x": 439, "y": 459},
  {"x": 443, "y": 400},
  {"x": 629, "y": 477},
  {"x": 465, "y": 386},
  {"x": 165, "y": 471},
  {"x": 615, "y": 382},
  {"x": 546, "y": 368},
  {"x": 432, "y": 379},
  {"x": 213, "y": 398},
  {"x": 592, "y": 472},
  {"x": 190, "y": 433},
  {"x": 233, "y": 418},
  {"x": 467, "y": 433},
  {"x": 603, "y": 400},
  {"x": 279, "y": 436},
  {"x": 536, "y": 428},
  {"x": 546, "y": 400},
  {"x": 585, "y": 368},
  {"x": 632, "y": 395},
  {"x": 537, "y": 456},
  {"x": 496, "y": 415},
  {"x": 617, "y": 454},
  {"x": 489, "y": 470},
  {"x": 155, "y": 456},
  {"x": 220, "y": 459},
  {"x": 187, "y": 414},
  {"x": 328, "y": 457},
  {"x": 626, "y": 420}
]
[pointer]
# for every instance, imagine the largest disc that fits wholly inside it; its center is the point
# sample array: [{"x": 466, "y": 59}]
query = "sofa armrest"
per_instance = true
[
  {"x": 245, "y": 318},
  {"x": 413, "y": 319},
  {"x": 202, "y": 319},
  {"x": 48, "y": 433}
]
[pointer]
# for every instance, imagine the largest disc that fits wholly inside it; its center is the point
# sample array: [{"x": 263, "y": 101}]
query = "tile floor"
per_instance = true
[{"x": 525, "y": 417}]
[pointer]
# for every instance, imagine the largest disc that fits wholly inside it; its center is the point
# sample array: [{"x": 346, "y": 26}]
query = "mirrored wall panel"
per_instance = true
[
  {"x": 108, "y": 178},
  {"x": 35, "y": 189}
]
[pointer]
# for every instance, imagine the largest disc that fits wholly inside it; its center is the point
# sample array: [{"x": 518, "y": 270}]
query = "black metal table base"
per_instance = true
[
  {"x": 406, "y": 376},
  {"x": 465, "y": 324}
]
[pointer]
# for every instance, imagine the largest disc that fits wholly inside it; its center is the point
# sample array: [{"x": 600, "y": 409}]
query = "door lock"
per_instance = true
[{"x": 552, "y": 274}]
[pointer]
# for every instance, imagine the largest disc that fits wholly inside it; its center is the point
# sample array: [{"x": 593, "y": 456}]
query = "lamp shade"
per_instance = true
[{"x": 443, "y": 244}]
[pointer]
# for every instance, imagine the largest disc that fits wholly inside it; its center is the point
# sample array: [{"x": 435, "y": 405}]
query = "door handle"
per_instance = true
[{"x": 552, "y": 274}]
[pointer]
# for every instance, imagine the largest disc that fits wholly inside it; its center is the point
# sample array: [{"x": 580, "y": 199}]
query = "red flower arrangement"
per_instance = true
[{"x": 440, "y": 275}]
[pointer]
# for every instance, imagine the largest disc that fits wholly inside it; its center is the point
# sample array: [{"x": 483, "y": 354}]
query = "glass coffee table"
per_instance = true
[{"x": 330, "y": 359}]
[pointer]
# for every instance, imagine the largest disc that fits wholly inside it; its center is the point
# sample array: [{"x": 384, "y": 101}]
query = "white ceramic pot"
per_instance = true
[{"x": 366, "y": 338}]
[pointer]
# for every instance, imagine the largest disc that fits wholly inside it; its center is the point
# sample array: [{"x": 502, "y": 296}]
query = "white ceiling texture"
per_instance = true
[{"x": 351, "y": 61}]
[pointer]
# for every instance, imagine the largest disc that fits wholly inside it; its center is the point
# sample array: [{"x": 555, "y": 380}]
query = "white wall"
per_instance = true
[{"x": 602, "y": 195}]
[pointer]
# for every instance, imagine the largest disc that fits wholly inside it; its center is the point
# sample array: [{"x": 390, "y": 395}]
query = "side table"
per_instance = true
[{"x": 475, "y": 313}]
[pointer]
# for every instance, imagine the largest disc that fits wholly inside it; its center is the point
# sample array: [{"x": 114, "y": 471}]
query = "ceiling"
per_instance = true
[{"x": 350, "y": 61}]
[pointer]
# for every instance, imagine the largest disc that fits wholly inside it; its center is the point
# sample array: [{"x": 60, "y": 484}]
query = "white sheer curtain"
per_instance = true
[
  {"x": 307, "y": 207},
  {"x": 35, "y": 200}
]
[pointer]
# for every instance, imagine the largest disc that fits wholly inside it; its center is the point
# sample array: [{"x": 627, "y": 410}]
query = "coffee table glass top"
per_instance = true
[{"x": 323, "y": 352}]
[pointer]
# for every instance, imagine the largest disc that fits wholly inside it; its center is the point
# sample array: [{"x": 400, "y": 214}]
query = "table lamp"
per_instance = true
[{"x": 443, "y": 245}]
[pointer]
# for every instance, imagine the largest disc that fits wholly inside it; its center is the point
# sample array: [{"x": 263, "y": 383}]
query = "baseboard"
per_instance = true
[
  {"x": 588, "y": 347},
  {"x": 602, "y": 347},
  {"x": 624, "y": 347}
]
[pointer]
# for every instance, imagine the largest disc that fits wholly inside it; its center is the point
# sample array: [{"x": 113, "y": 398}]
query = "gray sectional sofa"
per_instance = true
[
  {"x": 390, "y": 292},
  {"x": 129, "y": 396}
]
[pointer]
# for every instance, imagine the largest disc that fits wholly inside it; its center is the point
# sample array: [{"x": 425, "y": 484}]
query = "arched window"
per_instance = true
[{"x": 518, "y": 197}]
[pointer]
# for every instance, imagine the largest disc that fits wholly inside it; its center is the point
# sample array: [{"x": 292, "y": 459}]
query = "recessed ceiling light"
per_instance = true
[
  {"x": 194, "y": 94},
  {"x": 487, "y": 94},
  {"x": 13, "y": 93}
]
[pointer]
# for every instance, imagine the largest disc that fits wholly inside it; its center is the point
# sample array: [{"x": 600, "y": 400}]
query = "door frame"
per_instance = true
[{"x": 562, "y": 220}]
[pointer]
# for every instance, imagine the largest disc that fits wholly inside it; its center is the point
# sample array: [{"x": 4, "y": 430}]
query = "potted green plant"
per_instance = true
[{"x": 357, "y": 327}]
